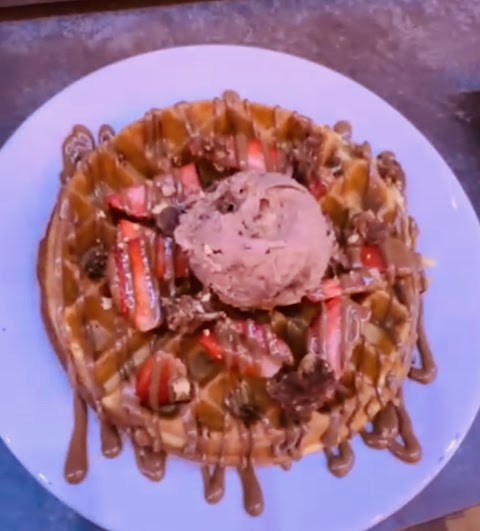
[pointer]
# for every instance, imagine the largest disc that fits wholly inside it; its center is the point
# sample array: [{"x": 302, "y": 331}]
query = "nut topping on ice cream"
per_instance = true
[{"x": 257, "y": 240}]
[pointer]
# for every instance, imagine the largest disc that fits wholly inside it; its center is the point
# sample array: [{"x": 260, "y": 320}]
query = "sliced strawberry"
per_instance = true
[
  {"x": 334, "y": 332},
  {"x": 190, "y": 180},
  {"x": 352, "y": 283},
  {"x": 182, "y": 266},
  {"x": 324, "y": 336},
  {"x": 131, "y": 201},
  {"x": 162, "y": 379},
  {"x": 259, "y": 351},
  {"x": 160, "y": 257},
  {"x": 317, "y": 188},
  {"x": 372, "y": 258},
  {"x": 255, "y": 156},
  {"x": 211, "y": 344},
  {"x": 163, "y": 248},
  {"x": 136, "y": 293},
  {"x": 119, "y": 281}
]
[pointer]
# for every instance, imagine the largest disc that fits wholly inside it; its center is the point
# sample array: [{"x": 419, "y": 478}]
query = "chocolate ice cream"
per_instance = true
[{"x": 257, "y": 240}]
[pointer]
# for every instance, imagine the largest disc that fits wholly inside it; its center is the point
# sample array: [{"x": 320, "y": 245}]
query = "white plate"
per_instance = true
[{"x": 36, "y": 413}]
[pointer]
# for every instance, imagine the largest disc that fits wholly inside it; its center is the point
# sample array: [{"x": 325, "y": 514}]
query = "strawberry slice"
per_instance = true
[
  {"x": 324, "y": 338},
  {"x": 258, "y": 352},
  {"x": 134, "y": 201},
  {"x": 317, "y": 188},
  {"x": 131, "y": 201},
  {"x": 355, "y": 282},
  {"x": 165, "y": 247},
  {"x": 211, "y": 344},
  {"x": 133, "y": 286},
  {"x": 120, "y": 281},
  {"x": 162, "y": 379},
  {"x": 255, "y": 156},
  {"x": 190, "y": 180},
  {"x": 372, "y": 258},
  {"x": 181, "y": 264}
]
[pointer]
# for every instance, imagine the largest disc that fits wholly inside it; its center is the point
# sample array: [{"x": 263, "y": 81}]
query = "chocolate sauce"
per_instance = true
[
  {"x": 111, "y": 440},
  {"x": 151, "y": 464},
  {"x": 79, "y": 143},
  {"x": 213, "y": 482},
  {"x": 105, "y": 134},
  {"x": 405, "y": 446},
  {"x": 331, "y": 434},
  {"x": 385, "y": 428},
  {"x": 252, "y": 492},
  {"x": 76, "y": 463},
  {"x": 427, "y": 372},
  {"x": 340, "y": 460},
  {"x": 392, "y": 429}
]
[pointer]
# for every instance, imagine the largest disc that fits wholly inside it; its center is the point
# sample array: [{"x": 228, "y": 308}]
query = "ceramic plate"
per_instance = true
[{"x": 36, "y": 413}]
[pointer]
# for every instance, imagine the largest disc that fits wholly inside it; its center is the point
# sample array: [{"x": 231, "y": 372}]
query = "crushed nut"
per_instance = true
[
  {"x": 180, "y": 389},
  {"x": 159, "y": 207},
  {"x": 106, "y": 303}
]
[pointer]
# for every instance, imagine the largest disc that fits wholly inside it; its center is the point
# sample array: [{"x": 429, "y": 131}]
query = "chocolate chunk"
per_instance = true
[
  {"x": 167, "y": 220},
  {"x": 344, "y": 129},
  {"x": 95, "y": 262},
  {"x": 303, "y": 391},
  {"x": 241, "y": 404},
  {"x": 187, "y": 313},
  {"x": 390, "y": 170}
]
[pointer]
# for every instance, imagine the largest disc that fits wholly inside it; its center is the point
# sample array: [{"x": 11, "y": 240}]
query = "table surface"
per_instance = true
[{"x": 416, "y": 54}]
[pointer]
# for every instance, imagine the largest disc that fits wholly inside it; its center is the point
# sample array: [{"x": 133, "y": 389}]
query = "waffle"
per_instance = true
[{"x": 216, "y": 416}]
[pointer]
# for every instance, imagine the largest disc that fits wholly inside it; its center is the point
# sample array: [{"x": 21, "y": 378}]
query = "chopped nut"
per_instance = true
[
  {"x": 106, "y": 303},
  {"x": 159, "y": 207},
  {"x": 168, "y": 189},
  {"x": 207, "y": 249},
  {"x": 181, "y": 389},
  {"x": 206, "y": 297},
  {"x": 101, "y": 214},
  {"x": 353, "y": 238}
]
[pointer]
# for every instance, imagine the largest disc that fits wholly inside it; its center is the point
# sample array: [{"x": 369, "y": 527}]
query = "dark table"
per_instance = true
[{"x": 418, "y": 55}]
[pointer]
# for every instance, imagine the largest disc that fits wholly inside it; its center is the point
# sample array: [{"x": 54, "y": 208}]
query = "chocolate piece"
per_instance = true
[
  {"x": 306, "y": 389},
  {"x": 95, "y": 262}
]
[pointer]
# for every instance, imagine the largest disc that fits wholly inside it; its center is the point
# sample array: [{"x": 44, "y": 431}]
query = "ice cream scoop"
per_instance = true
[{"x": 257, "y": 240}]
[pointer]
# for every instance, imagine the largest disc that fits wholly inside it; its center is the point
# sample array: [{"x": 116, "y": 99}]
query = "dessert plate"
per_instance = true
[{"x": 36, "y": 419}]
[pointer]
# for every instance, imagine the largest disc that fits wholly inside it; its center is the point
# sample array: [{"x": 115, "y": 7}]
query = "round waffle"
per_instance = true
[{"x": 120, "y": 350}]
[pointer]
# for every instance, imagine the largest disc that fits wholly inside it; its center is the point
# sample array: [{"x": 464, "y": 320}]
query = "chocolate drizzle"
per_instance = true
[
  {"x": 340, "y": 460},
  {"x": 213, "y": 482},
  {"x": 392, "y": 429},
  {"x": 76, "y": 463},
  {"x": 252, "y": 492},
  {"x": 428, "y": 370},
  {"x": 111, "y": 440},
  {"x": 150, "y": 463}
]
